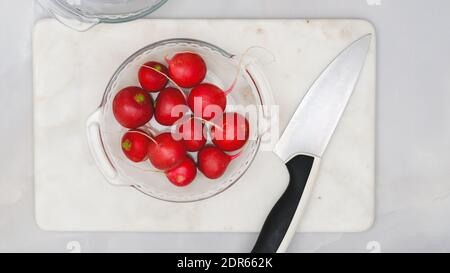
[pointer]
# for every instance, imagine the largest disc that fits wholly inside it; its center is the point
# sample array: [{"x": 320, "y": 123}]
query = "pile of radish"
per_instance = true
[{"x": 179, "y": 153}]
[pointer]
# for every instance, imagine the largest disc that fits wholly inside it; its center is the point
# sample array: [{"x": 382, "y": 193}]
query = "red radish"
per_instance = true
[
  {"x": 187, "y": 69},
  {"x": 149, "y": 77},
  {"x": 210, "y": 96},
  {"x": 164, "y": 152},
  {"x": 133, "y": 107},
  {"x": 192, "y": 134},
  {"x": 170, "y": 106},
  {"x": 231, "y": 132},
  {"x": 135, "y": 145},
  {"x": 213, "y": 162},
  {"x": 184, "y": 173},
  {"x": 207, "y": 101}
]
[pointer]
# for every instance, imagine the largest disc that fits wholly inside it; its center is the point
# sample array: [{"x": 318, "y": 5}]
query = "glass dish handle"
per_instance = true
[
  {"x": 67, "y": 17},
  {"x": 265, "y": 91},
  {"x": 96, "y": 146}
]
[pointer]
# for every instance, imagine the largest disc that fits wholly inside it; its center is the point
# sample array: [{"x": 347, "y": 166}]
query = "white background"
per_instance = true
[{"x": 413, "y": 131}]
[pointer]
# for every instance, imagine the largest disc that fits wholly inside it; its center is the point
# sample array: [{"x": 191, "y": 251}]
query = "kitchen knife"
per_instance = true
[{"x": 305, "y": 139}]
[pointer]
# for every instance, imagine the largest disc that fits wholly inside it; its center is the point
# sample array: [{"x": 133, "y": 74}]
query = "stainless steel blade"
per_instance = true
[{"x": 317, "y": 116}]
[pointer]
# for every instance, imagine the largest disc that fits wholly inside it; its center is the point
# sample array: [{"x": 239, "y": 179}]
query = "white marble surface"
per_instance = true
[
  {"x": 71, "y": 70},
  {"x": 413, "y": 136}
]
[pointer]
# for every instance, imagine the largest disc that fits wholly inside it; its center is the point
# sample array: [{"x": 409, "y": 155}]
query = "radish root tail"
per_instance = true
[
  {"x": 168, "y": 78},
  {"x": 239, "y": 67},
  {"x": 236, "y": 155},
  {"x": 146, "y": 135}
]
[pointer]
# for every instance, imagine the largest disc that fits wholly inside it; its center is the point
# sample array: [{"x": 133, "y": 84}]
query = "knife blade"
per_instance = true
[{"x": 305, "y": 139}]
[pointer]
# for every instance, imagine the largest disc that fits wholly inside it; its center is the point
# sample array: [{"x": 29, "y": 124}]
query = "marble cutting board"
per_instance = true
[{"x": 71, "y": 70}]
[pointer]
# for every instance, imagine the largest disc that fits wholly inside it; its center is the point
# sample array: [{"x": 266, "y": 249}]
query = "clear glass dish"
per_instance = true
[
  {"x": 81, "y": 15},
  {"x": 104, "y": 133}
]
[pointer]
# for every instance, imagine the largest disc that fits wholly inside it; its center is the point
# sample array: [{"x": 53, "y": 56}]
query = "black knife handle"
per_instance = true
[{"x": 282, "y": 221}]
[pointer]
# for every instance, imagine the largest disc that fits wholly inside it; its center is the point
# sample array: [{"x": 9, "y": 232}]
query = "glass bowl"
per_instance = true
[
  {"x": 81, "y": 15},
  {"x": 249, "y": 97}
]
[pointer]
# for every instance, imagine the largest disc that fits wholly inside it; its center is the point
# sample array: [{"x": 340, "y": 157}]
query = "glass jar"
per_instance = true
[{"x": 81, "y": 15}]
